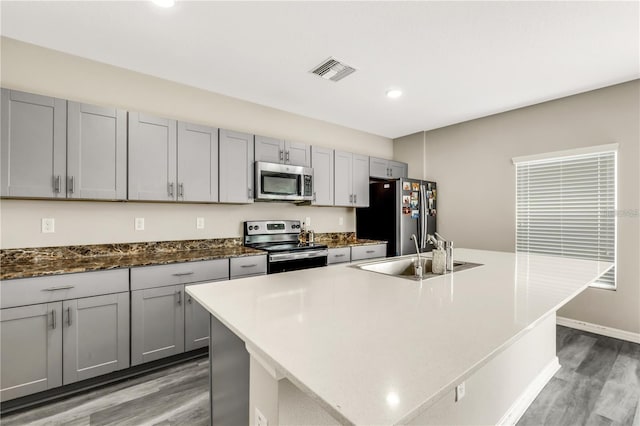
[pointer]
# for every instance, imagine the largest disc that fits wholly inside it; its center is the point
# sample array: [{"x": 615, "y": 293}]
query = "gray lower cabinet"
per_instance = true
[
  {"x": 236, "y": 167},
  {"x": 196, "y": 325},
  {"x": 95, "y": 335},
  {"x": 157, "y": 323},
  {"x": 33, "y": 145},
  {"x": 197, "y": 163},
  {"x": 96, "y": 152},
  {"x": 152, "y": 158},
  {"x": 339, "y": 255},
  {"x": 368, "y": 252},
  {"x": 31, "y": 342},
  {"x": 322, "y": 163}
]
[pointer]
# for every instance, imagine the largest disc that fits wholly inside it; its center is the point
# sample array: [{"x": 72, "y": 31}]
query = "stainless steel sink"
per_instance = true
[{"x": 403, "y": 267}]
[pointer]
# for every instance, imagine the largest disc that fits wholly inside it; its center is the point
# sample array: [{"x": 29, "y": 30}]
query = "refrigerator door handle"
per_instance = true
[{"x": 423, "y": 217}]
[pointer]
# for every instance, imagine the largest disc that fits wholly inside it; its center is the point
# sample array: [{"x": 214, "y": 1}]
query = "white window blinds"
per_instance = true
[{"x": 566, "y": 206}]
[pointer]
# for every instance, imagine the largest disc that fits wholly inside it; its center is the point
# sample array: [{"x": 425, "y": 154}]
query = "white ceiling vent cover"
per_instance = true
[{"x": 332, "y": 69}]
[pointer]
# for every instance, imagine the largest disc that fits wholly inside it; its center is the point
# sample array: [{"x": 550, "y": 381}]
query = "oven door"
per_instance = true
[
  {"x": 293, "y": 261},
  {"x": 283, "y": 182}
]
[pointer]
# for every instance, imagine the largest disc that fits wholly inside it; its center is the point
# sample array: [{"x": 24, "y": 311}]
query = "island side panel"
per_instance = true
[{"x": 228, "y": 376}]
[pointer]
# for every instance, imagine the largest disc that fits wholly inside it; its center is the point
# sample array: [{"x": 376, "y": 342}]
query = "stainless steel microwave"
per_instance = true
[{"x": 283, "y": 182}]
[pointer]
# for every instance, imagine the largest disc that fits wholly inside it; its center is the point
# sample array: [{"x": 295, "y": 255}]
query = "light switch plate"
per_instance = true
[
  {"x": 460, "y": 391},
  {"x": 48, "y": 225},
  {"x": 199, "y": 222},
  {"x": 307, "y": 221},
  {"x": 341, "y": 221},
  {"x": 139, "y": 223}
]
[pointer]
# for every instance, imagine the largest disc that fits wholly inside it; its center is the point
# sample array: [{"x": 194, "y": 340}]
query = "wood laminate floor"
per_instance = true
[{"x": 598, "y": 384}]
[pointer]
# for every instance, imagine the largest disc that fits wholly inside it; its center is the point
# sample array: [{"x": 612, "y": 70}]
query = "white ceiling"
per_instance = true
[{"x": 454, "y": 61}]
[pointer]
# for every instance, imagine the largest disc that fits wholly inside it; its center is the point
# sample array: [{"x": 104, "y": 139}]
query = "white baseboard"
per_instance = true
[
  {"x": 599, "y": 329},
  {"x": 523, "y": 402}
]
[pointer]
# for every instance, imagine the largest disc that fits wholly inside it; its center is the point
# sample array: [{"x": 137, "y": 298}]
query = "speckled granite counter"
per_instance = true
[
  {"x": 344, "y": 239},
  {"x": 41, "y": 261}
]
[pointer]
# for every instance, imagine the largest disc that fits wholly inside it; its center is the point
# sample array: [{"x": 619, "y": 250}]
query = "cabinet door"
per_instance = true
[
  {"x": 31, "y": 358},
  {"x": 33, "y": 145},
  {"x": 343, "y": 178},
  {"x": 297, "y": 154},
  {"x": 197, "y": 163},
  {"x": 95, "y": 335},
  {"x": 157, "y": 323},
  {"x": 236, "y": 167},
  {"x": 379, "y": 168},
  {"x": 398, "y": 169},
  {"x": 96, "y": 152},
  {"x": 361, "y": 180},
  {"x": 322, "y": 163},
  {"x": 152, "y": 158},
  {"x": 196, "y": 325},
  {"x": 270, "y": 150}
]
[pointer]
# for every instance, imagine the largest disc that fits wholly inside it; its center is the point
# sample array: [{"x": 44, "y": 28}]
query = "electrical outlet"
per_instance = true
[
  {"x": 341, "y": 221},
  {"x": 307, "y": 221},
  {"x": 199, "y": 222},
  {"x": 260, "y": 420},
  {"x": 460, "y": 391},
  {"x": 139, "y": 223},
  {"x": 48, "y": 225}
]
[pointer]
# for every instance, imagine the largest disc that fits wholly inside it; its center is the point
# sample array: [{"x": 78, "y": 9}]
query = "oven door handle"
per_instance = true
[{"x": 283, "y": 257}]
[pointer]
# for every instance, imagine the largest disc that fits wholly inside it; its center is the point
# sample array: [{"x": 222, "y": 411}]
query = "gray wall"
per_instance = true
[
  {"x": 471, "y": 162},
  {"x": 35, "y": 69}
]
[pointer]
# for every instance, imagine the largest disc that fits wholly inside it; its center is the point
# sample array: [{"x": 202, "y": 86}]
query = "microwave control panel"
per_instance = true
[{"x": 308, "y": 185}]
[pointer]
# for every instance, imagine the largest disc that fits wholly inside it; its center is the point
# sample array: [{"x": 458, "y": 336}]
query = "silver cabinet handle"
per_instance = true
[
  {"x": 181, "y": 190},
  {"x": 56, "y": 184},
  {"x": 179, "y": 293},
  {"x": 338, "y": 255},
  {"x": 253, "y": 265},
  {"x": 351, "y": 198},
  {"x": 69, "y": 316},
  {"x": 53, "y": 319},
  {"x": 189, "y": 300},
  {"x": 355, "y": 198},
  {"x": 249, "y": 192},
  {"x": 370, "y": 251},
  {"x": 286, "y": 158},
  {"x": 314, "y": 196},
  {"x": 182, "y": 274},
  {"x": 170, "y": 189},
  {"x": 70, "y": 185},
  {"x": 281, "y": 155},
  {"x": 62, "y": 287}
]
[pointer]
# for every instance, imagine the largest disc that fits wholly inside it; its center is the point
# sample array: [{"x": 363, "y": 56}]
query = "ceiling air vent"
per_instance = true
[{"x": 333, "y": 70}]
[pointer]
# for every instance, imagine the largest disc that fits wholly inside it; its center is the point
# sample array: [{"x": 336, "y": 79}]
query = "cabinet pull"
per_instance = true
[
  {"x": 71, "y": 186},
  {"x": 351, "y": 198},
  {"x": 69, "y": 316},
  {"x": 249, "y": 192},
  {"x": 314, "y": 196},
  {"x": 281, "y": 155},
  {"x": 181, "y": 190},
  {"x": 179, "y": 293},
  {"x": 53, "y": 319},
  {"x": 370, "y": 251},
  {"x": 189, "y": 300},
  {"x": 171, "y": 189},
  {"x": 286, "y": 157},
  {"x": 253, "y": 265},
  {"x": 355, "y": 198},
  {"x": 182, "y": 274},
  {"x": 56, "y": 184},
  {"x": 62, "y": 287},
  {"x": 338, "y": 255}
]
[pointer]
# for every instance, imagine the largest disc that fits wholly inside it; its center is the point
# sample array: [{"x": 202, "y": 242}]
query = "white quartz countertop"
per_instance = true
[{"x": 376, "y": 349}]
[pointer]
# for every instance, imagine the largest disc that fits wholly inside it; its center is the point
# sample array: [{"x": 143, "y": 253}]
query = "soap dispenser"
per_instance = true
[{"x": 439, "y": 260}]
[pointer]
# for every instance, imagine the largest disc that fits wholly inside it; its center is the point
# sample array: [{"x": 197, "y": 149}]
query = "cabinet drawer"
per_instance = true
[
  {"x": 248, "y": 265},
  {"x": 339, "y": 255},
  {"x": 179, "y": 273},
  {"x": 29, "y": 291},
  {"x": 368, "y": 252}
]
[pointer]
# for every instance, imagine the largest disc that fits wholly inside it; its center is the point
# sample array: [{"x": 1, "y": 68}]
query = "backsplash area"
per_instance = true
[{"x": 90, "y": 222}]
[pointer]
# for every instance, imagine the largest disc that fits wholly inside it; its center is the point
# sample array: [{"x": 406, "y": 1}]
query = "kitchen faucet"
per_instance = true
[{"x": 418, "y": 265}]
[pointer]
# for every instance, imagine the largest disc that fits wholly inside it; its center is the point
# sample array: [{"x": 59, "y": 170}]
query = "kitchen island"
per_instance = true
[{"x": 340, "y": 345}]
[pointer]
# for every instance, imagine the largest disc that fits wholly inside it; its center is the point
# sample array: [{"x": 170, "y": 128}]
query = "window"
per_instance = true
[{"x": 565, "y": 205}]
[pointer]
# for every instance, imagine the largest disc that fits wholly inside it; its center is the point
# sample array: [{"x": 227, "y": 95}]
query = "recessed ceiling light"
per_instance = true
[
  {"x": 394, "y": 93},
  {"x": 164, "y": 3}
]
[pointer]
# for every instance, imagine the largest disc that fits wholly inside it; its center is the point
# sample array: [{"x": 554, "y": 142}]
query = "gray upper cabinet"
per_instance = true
[
  {"x": 33, "y": 145},
  {"x": 96, "y": 152},
  {"x": 152, "y": 158},
  {"x": 31, "y": 360},
  {"x": 322, "y": 163},
  {"x": 351, "y": 186},
  {"x": 157, "y": 323},
  {"x": 95, "y": 336},
  {"x": 236, "y": 167},
  {"x": 387, "y": 169},
  {"x": 197, "y": 163},
  {"x": 360, "y": 180},
  {"x": 274, "y": 150}
]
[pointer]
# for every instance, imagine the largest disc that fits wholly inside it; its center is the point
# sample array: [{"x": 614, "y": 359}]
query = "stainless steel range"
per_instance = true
[{"x": 280, "y": 239}]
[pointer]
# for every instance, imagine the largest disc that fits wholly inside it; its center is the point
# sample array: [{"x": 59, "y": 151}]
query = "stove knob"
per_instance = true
[
  {"x": 293, "y": 227},
  {"x": 297, "y": 226},
  {"x": 250, "y": 228},
  {"x": 256, "y": 227}
]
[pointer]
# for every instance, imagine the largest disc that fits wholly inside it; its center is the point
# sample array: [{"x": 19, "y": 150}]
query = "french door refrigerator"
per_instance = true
[{"x": 397, "y": 209}]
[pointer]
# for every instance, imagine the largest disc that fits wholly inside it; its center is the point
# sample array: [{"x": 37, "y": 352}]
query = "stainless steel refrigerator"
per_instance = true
[{"x": 397, "y": 209}]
